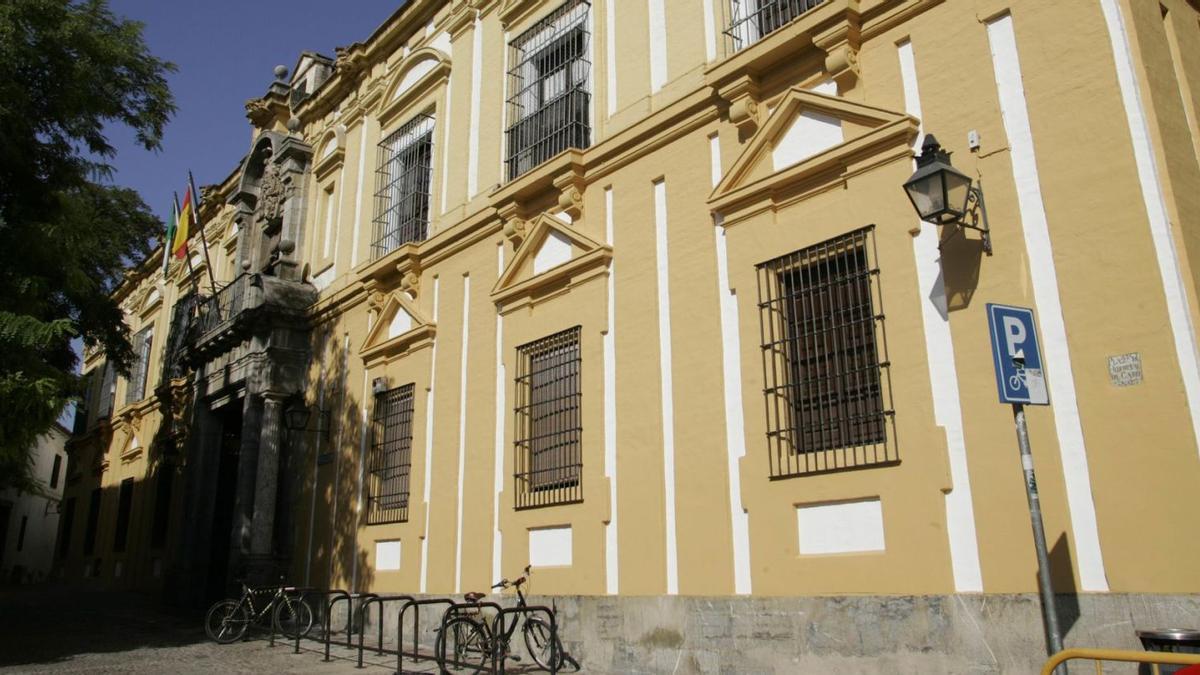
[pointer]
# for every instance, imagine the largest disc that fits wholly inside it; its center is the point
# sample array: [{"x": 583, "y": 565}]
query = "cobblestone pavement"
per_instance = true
[{"x": 46, "y": 630}]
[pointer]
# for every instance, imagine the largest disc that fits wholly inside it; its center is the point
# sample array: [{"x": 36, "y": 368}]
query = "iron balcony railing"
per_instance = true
[
  {"x": 220, "y": 309},
  {"x": 752, "y": 20}
]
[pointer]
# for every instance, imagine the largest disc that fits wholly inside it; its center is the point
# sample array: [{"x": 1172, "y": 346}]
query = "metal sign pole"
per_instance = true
[{"x": 1049, "y": 612}]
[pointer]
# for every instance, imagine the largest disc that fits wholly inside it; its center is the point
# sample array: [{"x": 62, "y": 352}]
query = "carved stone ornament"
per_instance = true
[
  {"x": 351, "y": 59},
  {"x": 259, "y": 112},
  {"x": 842, "y": 65},
  {"x": 208, "y": 194},
  {"x": 411, "y": 283},
  {"x": 272, "y": 192},
  {"x": 514, "y": 231}
]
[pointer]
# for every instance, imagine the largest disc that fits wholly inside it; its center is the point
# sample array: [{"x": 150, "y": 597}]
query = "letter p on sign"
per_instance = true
[{"x": 1016, "y": 356}]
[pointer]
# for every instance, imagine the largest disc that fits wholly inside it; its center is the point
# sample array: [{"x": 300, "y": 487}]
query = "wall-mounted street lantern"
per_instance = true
[
  {"x": 297, "y": 415},
  {"x": 944, "y": 195}
]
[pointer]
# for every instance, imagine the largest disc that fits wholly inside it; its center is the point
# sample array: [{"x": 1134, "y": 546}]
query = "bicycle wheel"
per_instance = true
[
  {"x": 293, "y": 617},
  {"x": 226, "y": 622},
  {"x": 463, "y": 645},
  {"x": 537, "y": 641}
]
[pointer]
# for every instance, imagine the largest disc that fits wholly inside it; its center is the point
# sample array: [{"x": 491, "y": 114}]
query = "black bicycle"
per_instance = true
[
  {"x": 228, "y": 620},
  {"x": 466, "y": 641}
]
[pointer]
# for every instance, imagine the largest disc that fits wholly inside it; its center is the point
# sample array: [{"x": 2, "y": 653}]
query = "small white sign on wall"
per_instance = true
[
  {"x": 550, "y": 547},
  {"x": 841, "y": 527},
  {"x": 1125, "y": 370},
  {"x": 387, "y": 555}
]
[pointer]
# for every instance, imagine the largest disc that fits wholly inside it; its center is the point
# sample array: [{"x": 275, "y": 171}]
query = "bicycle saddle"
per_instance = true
[{"x": 474, "y": 597}]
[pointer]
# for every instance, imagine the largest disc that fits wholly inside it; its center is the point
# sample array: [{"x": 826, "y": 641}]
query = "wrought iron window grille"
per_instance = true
[
  {"x": 824, "y": 349},
  {"x": 549, "y": 99},
  {"x": 548, "y": 449},
  {"x": 752, "y": 20},
  {"x": 403, "y": 183},
  {"x": 141, "y": 366},
  {"x": 391, "y": 456}
]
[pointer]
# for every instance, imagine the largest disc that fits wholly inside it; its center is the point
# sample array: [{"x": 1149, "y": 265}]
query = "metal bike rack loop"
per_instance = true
[
  {"x": 498, "y": 663},
  {"x": 416, "y": 652},
  {"x": 454, "y": 610},
  {"x": 331, "y": 599},
  {"x": 364, "y": 611}
]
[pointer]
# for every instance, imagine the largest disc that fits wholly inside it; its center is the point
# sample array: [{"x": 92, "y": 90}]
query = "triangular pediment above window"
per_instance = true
[
  {"x": 554, "y": 252},
  {"x": 810, "y": 138},
  {"x": 400, "y": 327}
]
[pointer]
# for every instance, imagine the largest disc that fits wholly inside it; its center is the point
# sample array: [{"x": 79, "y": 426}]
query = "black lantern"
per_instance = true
[
  {"x": 296, "y": 415},
  {"x": 944, "y": 195}
]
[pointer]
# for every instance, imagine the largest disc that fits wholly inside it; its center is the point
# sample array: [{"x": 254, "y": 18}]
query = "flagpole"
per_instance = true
[
  {"x": 212, "y": 282},
  {"x": 187, "y": 256}
]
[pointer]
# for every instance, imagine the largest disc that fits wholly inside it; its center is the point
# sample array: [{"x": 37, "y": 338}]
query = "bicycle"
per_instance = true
[
  {"x": 227, "y": 620},
  {"x": 473, "y": 642}
]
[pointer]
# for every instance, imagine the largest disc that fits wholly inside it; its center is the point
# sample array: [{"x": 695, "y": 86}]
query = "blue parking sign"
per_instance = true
[{"x": 1016, "y": 355}]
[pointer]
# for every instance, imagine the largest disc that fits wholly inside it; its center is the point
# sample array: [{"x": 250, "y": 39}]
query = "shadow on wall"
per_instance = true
[
  {"x": 1062, "y": 575},
  {"x": 328, "y": 457},
  {"x": 961, "y": 260}
]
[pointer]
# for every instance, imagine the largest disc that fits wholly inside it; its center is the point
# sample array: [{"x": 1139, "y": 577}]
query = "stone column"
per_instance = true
[
  {"x": 266, "y": 488},
  {"x": 243, "y": 506}
]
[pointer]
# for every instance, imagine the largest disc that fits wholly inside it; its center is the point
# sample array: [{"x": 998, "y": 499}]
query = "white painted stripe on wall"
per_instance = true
[
  {"x": 498, "y": 458},
  {"x": 668, "y": 392},
  {"x": 358, "y": 189},
  {"x": 429, "y": 400},
  {"x": 316, "y": 474},
  {"x": 1165, "y": 251},
  {"x": 731, "y": 370},
  {"x": 611, "y": 560},
  {"x": 658, "y": 45},
  {"x": 446, "y": 135},
  {"x": 610, "y": 48},
  {"x": 462, "y": 429},
  {"x": 943, "y": 371},
  {"x": 337, "y": 455},
  {"x": 476, "y": 87},
  {"x": 710, "y": 32},
  {"x": 1042, "y": 273}
]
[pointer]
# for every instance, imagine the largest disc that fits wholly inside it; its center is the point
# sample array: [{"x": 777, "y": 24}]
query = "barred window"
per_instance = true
[
  {"x": 108, "y": 390},
  {"x": 403, "y": 182},
  {"x": 391, "y": 456},
  {"x": 827, "y": 393},
  {"x": 548, "y": 88},
  {"x": 751, "y": 20},
  {"x": 124, "y": 510},
  {"x": 141, "y": 366},
  {"x": 549, "y": 457}
]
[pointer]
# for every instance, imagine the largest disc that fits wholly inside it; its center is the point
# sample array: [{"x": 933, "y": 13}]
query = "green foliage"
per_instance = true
[{"x": 71, "y": 69}]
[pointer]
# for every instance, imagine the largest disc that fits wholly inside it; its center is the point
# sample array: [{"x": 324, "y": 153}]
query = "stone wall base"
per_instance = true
[{"x": 835, "y": 634}]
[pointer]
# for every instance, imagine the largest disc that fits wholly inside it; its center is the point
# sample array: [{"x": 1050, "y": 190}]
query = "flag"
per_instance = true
[
  {"x": 179, "y": 244},
  {"x": 172, "y": 223}
]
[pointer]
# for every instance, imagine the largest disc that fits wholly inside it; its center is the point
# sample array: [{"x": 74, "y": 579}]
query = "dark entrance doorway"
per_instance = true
[{"x": 223, "y": 504}]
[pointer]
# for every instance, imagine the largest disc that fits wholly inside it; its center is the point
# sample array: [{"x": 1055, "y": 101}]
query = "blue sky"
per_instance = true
[{"x": 225, "y": 51}]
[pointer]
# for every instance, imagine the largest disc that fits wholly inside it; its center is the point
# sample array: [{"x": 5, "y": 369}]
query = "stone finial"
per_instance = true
[
  {"x": 281, "y": 72},
  {"x": 293, "y": 124}
]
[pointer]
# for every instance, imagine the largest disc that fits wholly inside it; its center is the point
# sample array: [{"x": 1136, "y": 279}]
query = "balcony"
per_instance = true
[{"x": 219, "y": 311}]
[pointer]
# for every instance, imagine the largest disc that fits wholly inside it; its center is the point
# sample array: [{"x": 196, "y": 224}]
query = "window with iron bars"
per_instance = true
[
  {"x": 548, "y": 449},
  {"x": 828, "y": 393},
  {"x": 141, "y": 366},
  {"x": 403, "y": 182},
  {"x": 752, "y": 20},
  {"x": 391, "y": 456},
  {"x": 549, "y": 100}
]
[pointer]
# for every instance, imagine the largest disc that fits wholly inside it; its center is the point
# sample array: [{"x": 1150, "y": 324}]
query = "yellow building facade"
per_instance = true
[{"x": 631, "y": 292}]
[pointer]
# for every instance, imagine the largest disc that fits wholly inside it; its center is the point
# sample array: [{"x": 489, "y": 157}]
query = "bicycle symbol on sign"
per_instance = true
[{"x": 1019, "y": 379}]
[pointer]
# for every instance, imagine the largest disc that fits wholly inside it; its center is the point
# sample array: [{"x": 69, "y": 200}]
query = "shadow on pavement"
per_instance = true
[{"x": 49, "y": 624}]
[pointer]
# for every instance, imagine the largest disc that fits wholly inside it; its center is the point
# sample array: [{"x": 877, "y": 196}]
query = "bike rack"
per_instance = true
[
  {"x": 349, "y": 598},
  {"x": 498, "y": 663},
  {"x": 454, "y": 610},
  {"x": 301, "y": 592},
  {"x": 306, "y": 592},
  {"x": 364, "y": 612},
  {"x": 416, "y": 652}
]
